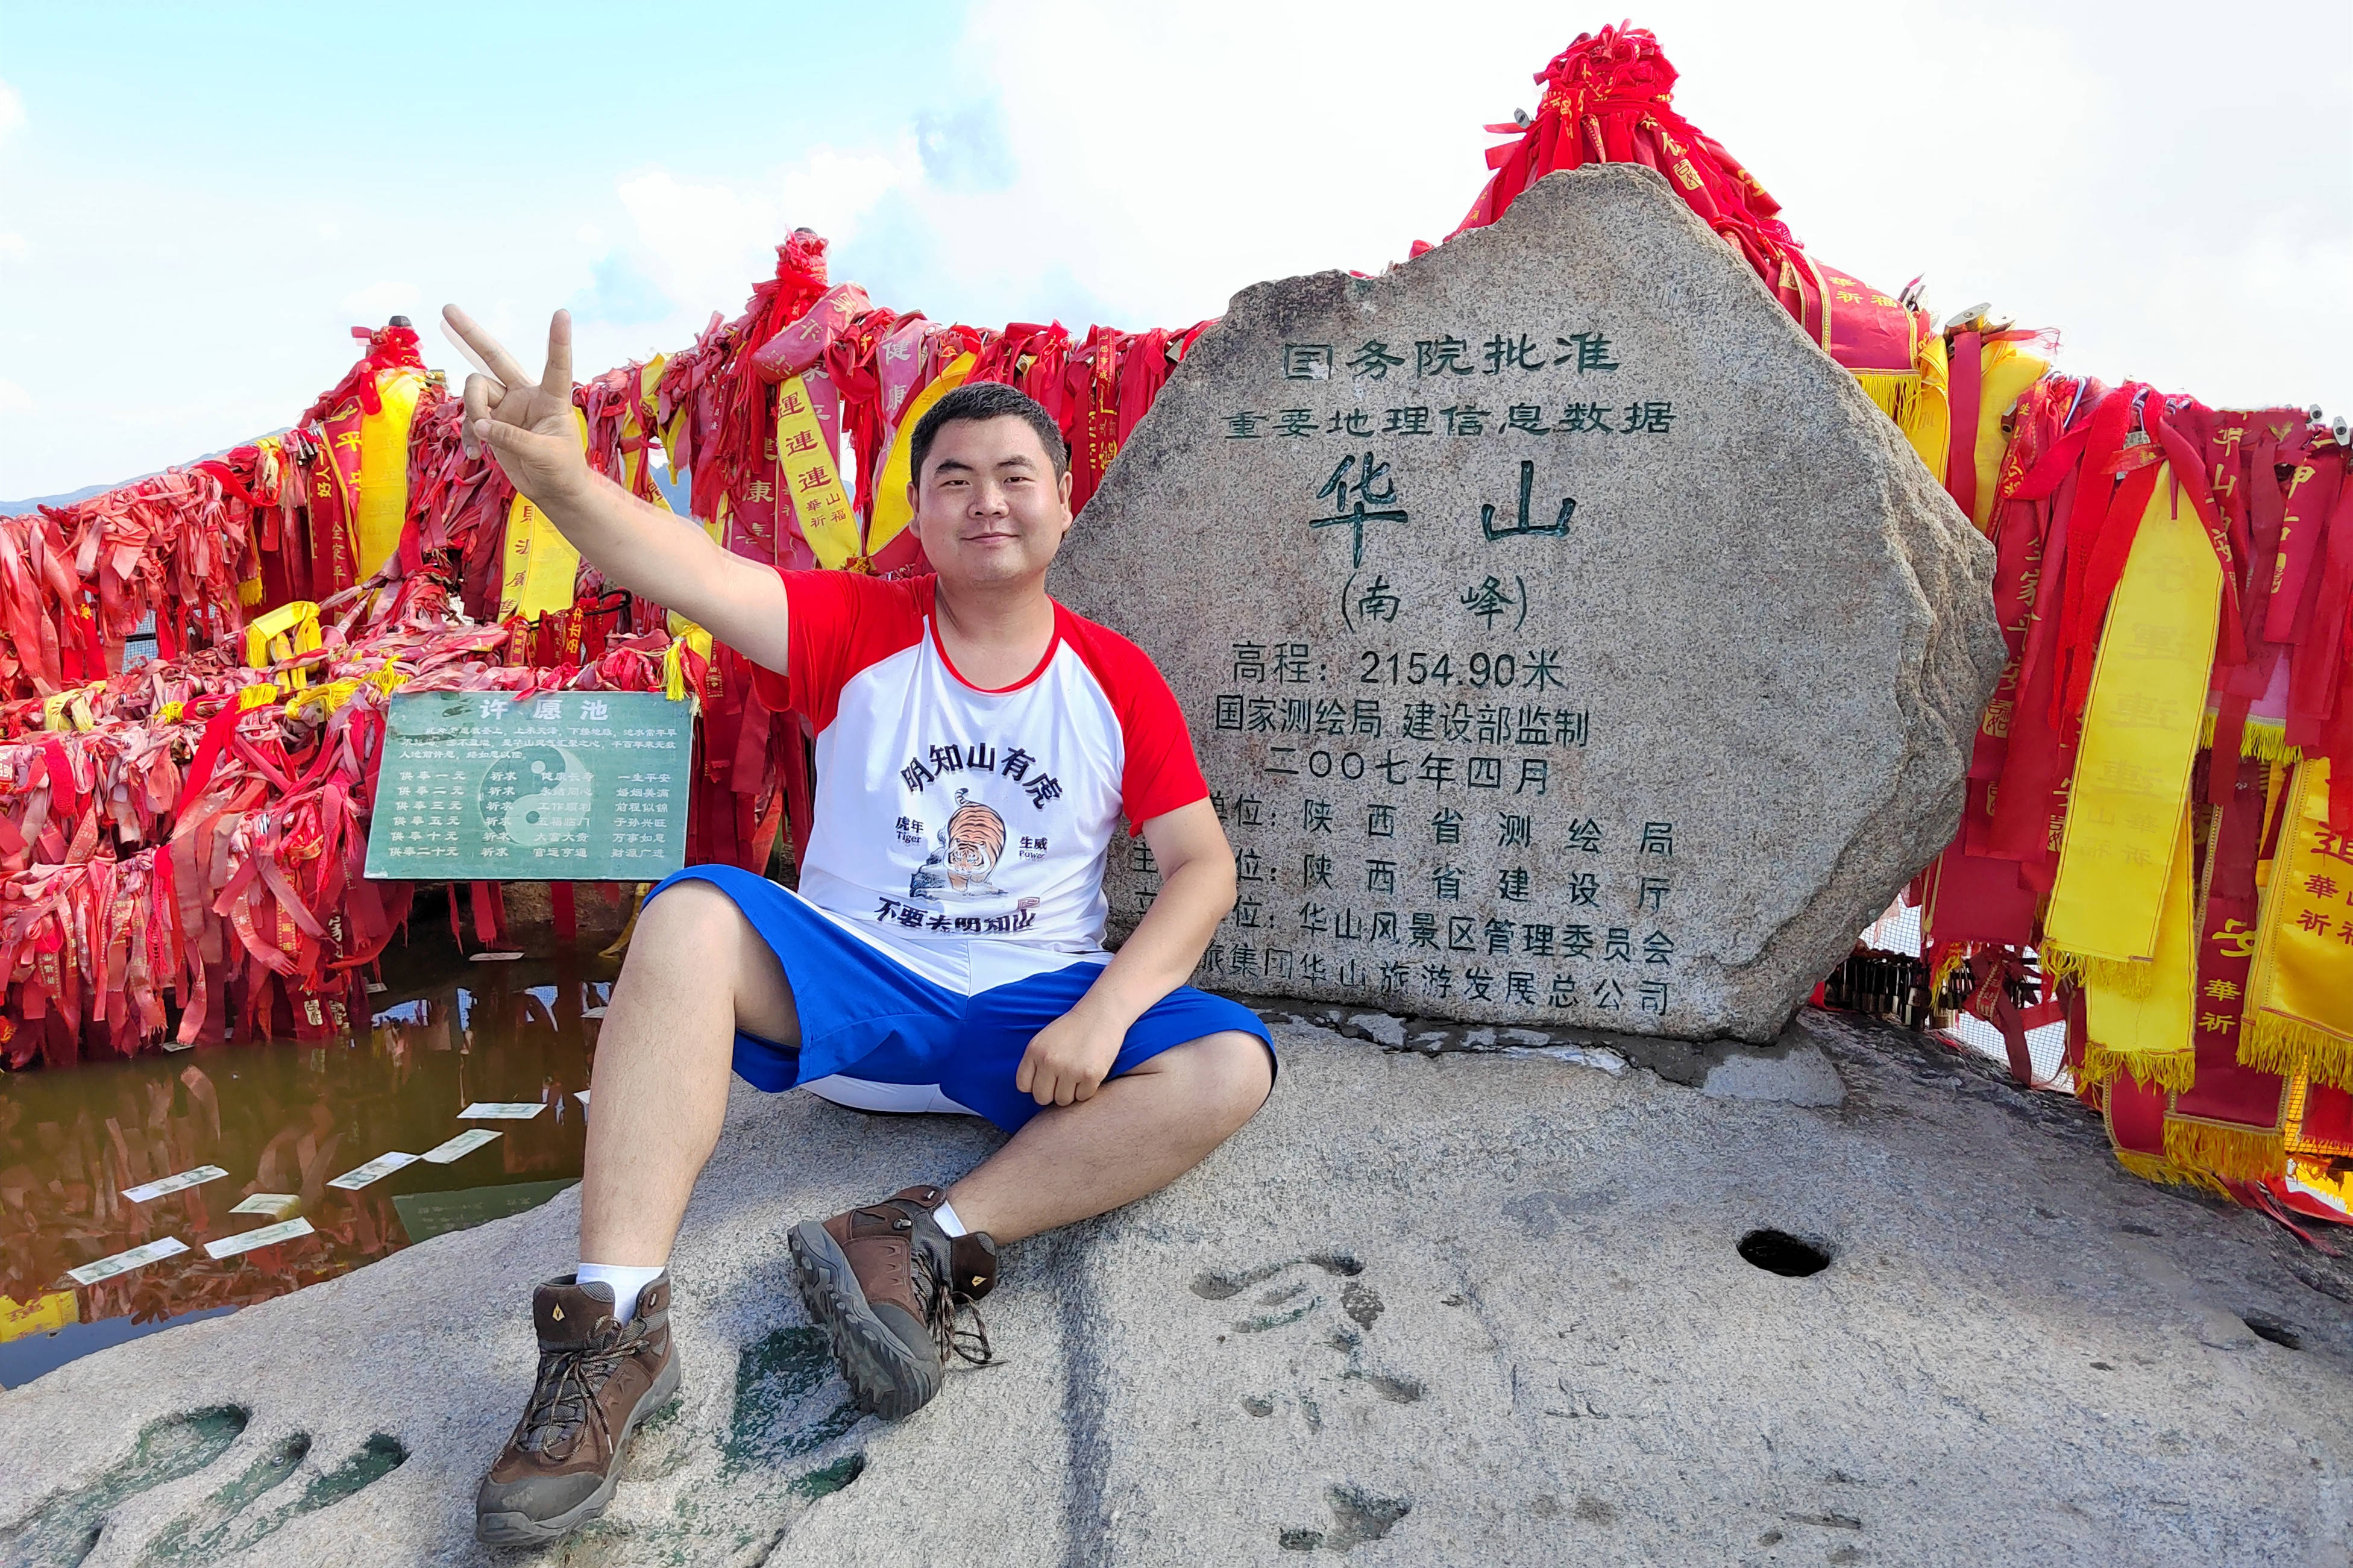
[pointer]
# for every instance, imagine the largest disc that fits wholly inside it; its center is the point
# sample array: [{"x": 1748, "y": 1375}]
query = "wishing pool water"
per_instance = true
[{"x": 282, "y": 1121}]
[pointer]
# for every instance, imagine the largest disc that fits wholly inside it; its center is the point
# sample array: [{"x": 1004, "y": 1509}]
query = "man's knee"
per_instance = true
[
  {"x": 694, "y": 933},
  {"x": 692, "y": 916},
  {"x": 1230, "y": 1073}
]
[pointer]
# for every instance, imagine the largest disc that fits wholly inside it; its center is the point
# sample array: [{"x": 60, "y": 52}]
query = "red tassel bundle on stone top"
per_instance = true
[{"x": 1607, "y": 100}]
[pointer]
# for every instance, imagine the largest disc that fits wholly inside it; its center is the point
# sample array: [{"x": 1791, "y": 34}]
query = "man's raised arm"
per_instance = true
[{"x": 528, "y": 428}]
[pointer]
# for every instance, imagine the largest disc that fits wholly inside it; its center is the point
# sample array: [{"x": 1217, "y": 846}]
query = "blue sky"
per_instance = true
[{"x": 196, "y": 202}]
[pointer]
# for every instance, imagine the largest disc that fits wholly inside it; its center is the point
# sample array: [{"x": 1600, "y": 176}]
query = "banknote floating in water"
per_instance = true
[
  {"x": 277, "y": 1206},
  {"x": 268, "y": 1236},
  {"x": 181, "y": 1183},
  {"x": 124, "y": 1262},
  {"x": 375, "y": 1170},
  {"x": 460, "y": 1146}
]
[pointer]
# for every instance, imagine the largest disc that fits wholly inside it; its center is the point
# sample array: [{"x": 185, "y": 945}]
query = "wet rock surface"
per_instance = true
[
  {"x": 1565, "y": 637},
  {"x": 1492, "y": 1304}
]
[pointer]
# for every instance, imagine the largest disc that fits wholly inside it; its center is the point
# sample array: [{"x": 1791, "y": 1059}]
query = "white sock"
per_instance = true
[
  {"x": 946, "y": 1217},
  {"x": 626, "y": 1279}
]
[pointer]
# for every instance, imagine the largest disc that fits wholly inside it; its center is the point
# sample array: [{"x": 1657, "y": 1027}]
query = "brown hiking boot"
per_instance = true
[
  {"x": 885, "y": 1283},
  {"x": 597, "y": 1379}
]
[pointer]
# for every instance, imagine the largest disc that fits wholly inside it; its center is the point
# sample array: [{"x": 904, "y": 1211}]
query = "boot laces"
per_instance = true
[
  {"x": 943, "y": 1313},
  {"x": 564, "y": 1400}
]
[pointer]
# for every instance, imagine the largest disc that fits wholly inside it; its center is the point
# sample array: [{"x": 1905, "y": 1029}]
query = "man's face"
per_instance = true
[{"x": 988, "y": 507}]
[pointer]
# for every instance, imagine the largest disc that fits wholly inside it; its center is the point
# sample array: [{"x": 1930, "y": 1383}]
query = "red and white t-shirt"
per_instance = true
[{"x": 946, "y": 810}]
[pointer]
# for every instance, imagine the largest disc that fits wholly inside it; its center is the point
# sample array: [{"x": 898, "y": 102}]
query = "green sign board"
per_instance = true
[{"x": 563, "y": 787}]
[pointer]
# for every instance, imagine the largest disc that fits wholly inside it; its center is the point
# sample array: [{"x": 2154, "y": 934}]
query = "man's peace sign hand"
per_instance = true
[{"x": 528, "y": 425}]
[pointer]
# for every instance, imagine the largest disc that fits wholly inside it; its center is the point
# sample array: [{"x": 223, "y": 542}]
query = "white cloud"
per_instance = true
[
  {"x": 1143, "y": 164},
  {"x": 371, "y": 306},
  {"x": 14, "y": 246},
  {"x": 12, "y": 110},
  {"x": 15, "y": 399},
  {"x": 705, "y": 243}
]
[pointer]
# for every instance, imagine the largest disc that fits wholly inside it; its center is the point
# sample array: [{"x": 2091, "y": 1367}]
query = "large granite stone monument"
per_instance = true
[{"x": 1564, "y": 635}]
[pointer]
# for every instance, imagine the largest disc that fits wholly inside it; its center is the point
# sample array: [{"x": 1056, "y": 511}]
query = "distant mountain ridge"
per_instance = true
[{"x": 18, "y": 508}]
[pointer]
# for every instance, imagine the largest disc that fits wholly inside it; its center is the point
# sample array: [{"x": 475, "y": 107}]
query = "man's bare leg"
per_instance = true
[
  {"x": 696, "y": 972},
  {"x": 1141, "y": 1132},
  {"x": 658, "y": 1099}
]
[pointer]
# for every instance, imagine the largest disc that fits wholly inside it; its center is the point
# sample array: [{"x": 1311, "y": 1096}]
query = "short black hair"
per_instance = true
[{"x": 977, "y": 400}]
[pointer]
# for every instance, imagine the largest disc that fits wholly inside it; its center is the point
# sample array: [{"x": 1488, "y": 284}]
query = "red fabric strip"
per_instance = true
[{"x": 1967, "y": 400}]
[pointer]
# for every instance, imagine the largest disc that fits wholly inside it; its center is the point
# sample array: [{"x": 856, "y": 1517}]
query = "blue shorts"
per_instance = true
[{"x": 956, "y": 1015}]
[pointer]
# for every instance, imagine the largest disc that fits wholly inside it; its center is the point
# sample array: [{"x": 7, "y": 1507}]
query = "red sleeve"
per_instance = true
[
  {"x": 1161, "y": 772},
  {"x": 841, "y": 623}
]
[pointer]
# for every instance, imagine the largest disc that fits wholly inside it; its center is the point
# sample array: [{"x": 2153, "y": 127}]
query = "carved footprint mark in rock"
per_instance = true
[
  {"x": 1357, "y": 1516},
  {"x": 1285, "y": 1304},
  {"x": 252, "y": 1505},
  {"x": 207, "y": 1530},
  {"x": 1211, "y": 1286},
  {"x": 260, "y": 1503},
  {"x": 790, "y": 1401},
  {"x": 789, "y": 1407},
  {"x": 65, "y": 1529},
  {"x": 1395, "y": 1390}
]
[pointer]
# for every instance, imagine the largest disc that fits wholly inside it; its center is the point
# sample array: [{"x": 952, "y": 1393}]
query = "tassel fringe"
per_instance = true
[
  {"x": 2264, "y": 740},
  {"x": 2289, "y": 1046},
  {"x": 2159, "y": 1168},
  {"x": 1893, "y": 392},
  {"x": 2124, "y": 976},
  {"x": 2233, "y": 1154},
  {"x": 2170, "y": 1071}
]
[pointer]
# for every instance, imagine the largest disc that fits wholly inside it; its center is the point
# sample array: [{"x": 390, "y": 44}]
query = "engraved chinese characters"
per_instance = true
[{"x": 1565, "y": 637}]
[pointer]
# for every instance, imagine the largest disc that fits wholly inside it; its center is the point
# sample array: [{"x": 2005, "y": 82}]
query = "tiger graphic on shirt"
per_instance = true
[{"x": 967, "y": 850}]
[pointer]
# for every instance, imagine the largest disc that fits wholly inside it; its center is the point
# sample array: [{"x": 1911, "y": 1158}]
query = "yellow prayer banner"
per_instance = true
[
  {"x": 2300, "y": 993},
  {"x": 892, "y": 510},
  {"x": 2130, "y": 797},
  {"x": 2009, "y": 370},
  {"x": 2147, "y": 1029},
  {"x": 805, "y": 468},
  {"x": 384, "y": 467},
  {"x": 41, "y": 1315},
  {"x": 538, "y": 566}
]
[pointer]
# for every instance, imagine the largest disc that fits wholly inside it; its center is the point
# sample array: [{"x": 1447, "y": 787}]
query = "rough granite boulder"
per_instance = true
[
  {"x": 1462, "y": 1308},
  {"x": 1566, "y": 637}
]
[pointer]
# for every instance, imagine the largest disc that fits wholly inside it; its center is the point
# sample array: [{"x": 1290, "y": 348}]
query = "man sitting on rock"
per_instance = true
[{"x": 976, "y": 746}]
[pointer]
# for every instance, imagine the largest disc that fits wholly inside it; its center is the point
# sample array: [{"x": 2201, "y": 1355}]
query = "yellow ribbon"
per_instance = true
[
  {"x": 805, "y": 468},
  {"x": 2300, "y": 992},
  {"x": 685, "y": 635},
  {"x": 539, "y": 565},
  {"x": 289, "y": 629},
  {"x": 2130, "y": 797},
  {"x": 329, "y": 697},
  {"x": 2146, "y": 1030},
  {"x": 384, "y": 467},
  {"x": 71, "y": 710}
]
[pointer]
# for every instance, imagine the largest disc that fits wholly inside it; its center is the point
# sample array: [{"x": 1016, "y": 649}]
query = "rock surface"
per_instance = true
[
  {"x": 1465, "y": 1307},
  {"x": 1566, "y": 637}
]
